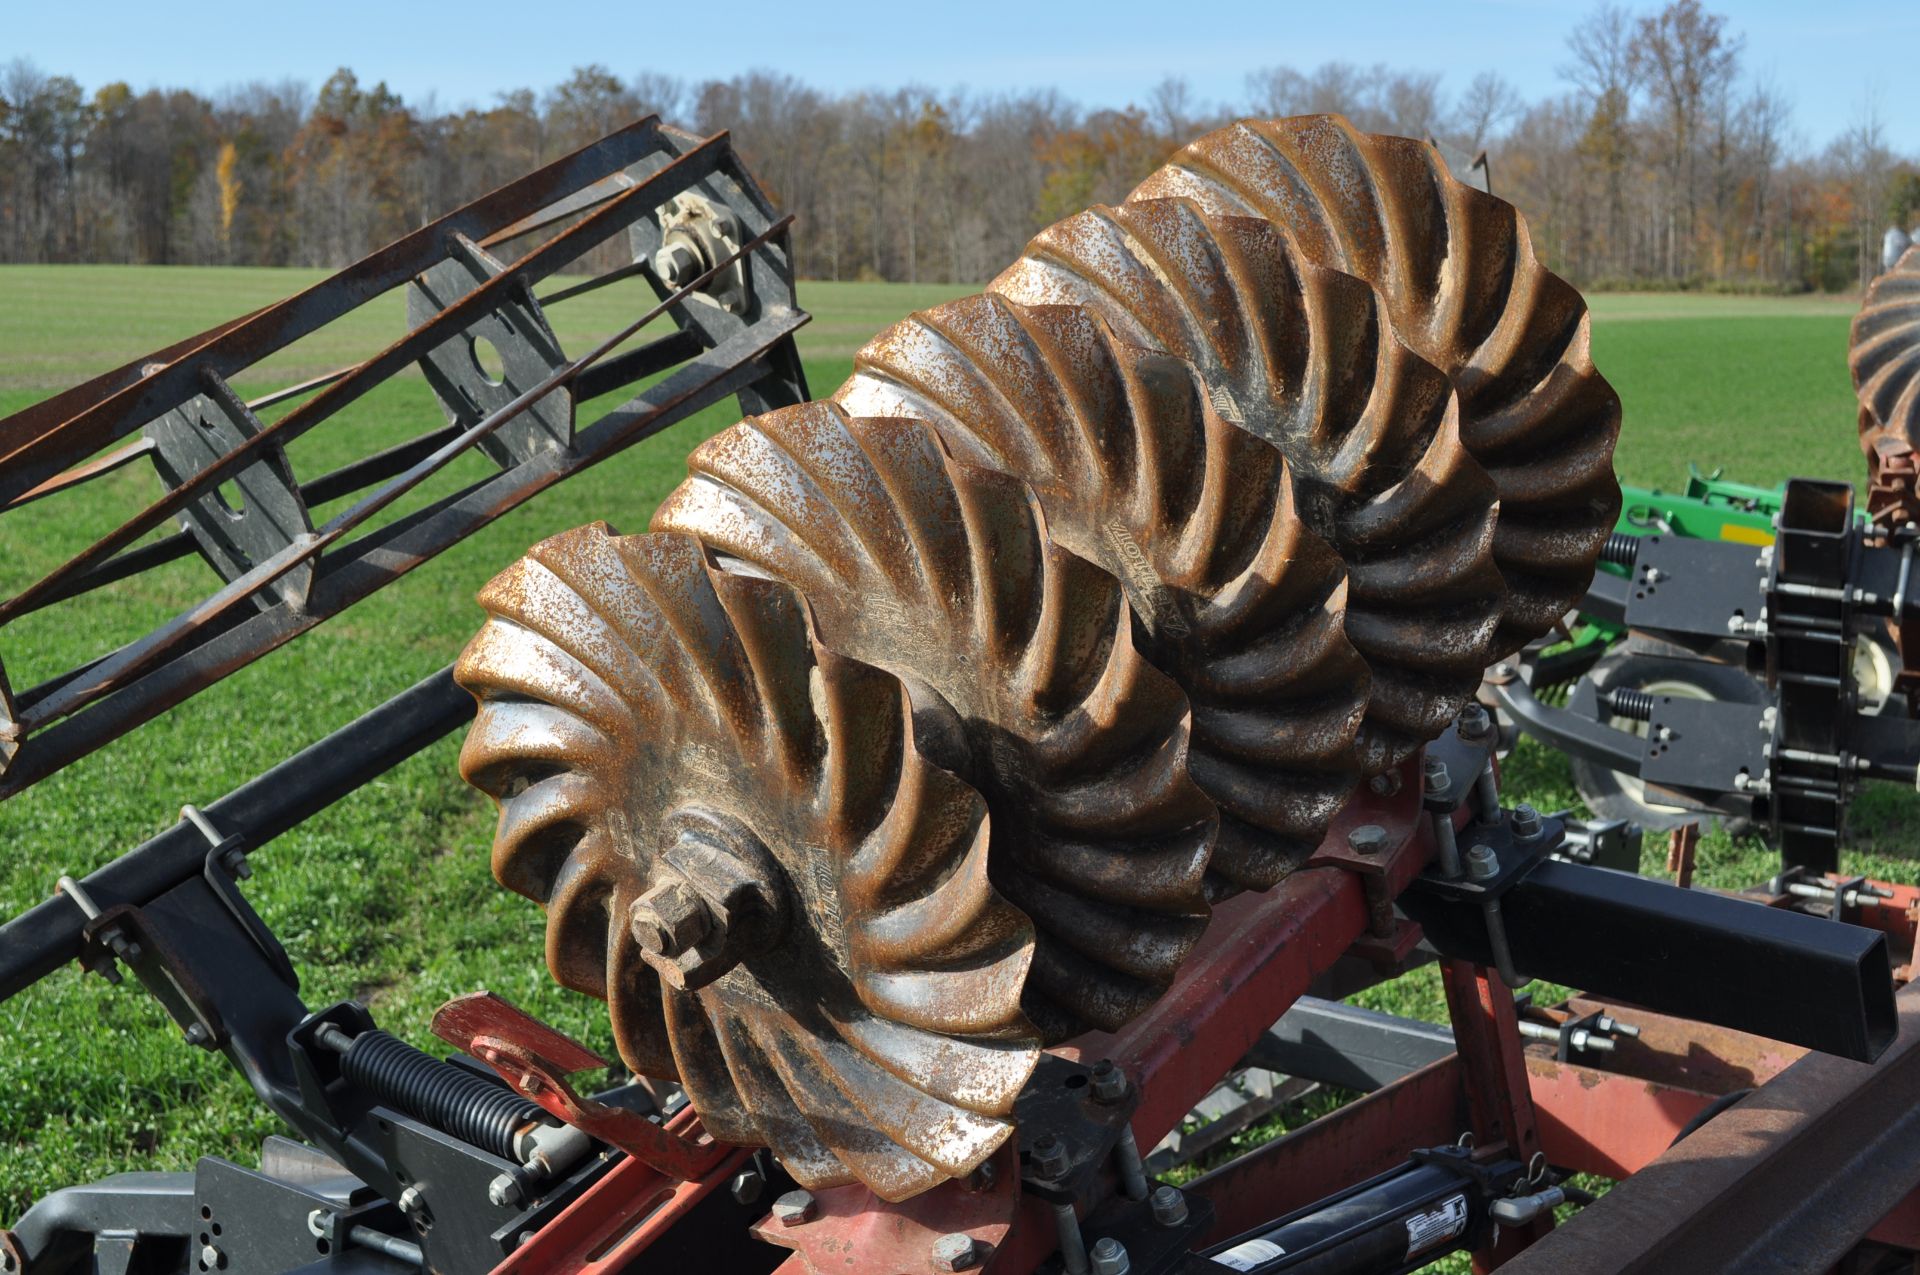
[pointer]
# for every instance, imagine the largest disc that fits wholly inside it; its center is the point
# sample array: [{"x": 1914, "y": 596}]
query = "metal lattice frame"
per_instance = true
[{"x": 469, "y": 278}]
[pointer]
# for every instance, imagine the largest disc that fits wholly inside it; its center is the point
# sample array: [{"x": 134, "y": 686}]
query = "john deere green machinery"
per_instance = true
[{"x": 1618, "y": 663}]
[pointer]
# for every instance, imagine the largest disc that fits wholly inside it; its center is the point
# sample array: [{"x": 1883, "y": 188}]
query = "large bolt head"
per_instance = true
[
  {"x": 794, "y": 1207},
  {"x": 955, "y": 1252},
  {"x": 209, "y": 1257},
  {"x": 1368, "y": 838},
  {"x": 504, "y": 1192},
  {"x": 669, "y": 919},
  {"x": 1474, "y": 721},
  {"x": 1110, "y": 1257},
  {"x": 1050, "y": 1159},
  {"x": 1385, "y": 784},
  {"x": 1482, "y": 863},
  {"x": 1169, "y": 1206},
  {"x": 1526, "y": 822},
  {"x": 1438, "y": 780},
  {"x": 747, "y": 1186}
]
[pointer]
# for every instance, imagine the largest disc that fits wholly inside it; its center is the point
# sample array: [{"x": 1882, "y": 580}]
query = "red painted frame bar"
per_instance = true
[{"x": 607, "y": 1229}]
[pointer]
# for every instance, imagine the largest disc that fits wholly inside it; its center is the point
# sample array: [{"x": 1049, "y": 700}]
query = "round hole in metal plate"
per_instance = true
[{"x": 487, "y": 358}]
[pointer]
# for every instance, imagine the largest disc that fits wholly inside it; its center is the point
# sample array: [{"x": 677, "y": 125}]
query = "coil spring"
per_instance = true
[
  {"x": 1624, "y": 701},
  {"x": 469, "y": 1108},
  {"x": 1620, "y": 549}
]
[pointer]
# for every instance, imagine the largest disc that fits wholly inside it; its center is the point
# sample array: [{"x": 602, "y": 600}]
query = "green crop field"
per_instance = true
[{"x": 387, "y": 896}]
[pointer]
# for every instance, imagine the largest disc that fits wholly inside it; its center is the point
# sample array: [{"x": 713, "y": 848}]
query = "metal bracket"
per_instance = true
[
  {"x": 271, "y": 514},
  {"x": 516, "y": 333}
]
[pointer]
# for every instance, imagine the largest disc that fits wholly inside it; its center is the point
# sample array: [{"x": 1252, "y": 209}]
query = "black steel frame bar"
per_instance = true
[
  {"x": 1776, "y": 973},
  {"x": 48, "y": 935}
]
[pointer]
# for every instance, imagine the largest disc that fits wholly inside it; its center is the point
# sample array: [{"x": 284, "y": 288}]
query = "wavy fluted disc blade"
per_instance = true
[
  {"x": 1299, "y": 356},
  {"x": 1884, "y": 356},
  {"x": 1464, "y": 290},
  {"x": 648, "y": 721},
  {"x": 1241, "y": 602},
  {"x": 944, "y": 573}
]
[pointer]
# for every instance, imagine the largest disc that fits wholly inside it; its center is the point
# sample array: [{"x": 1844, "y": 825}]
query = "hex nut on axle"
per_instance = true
[
  {"x": 956, "y": 1252},
  {"x": 1526, "y": 822},
  {"x": 669, "y": 919},
  {"x": 794, "y": 1207}
]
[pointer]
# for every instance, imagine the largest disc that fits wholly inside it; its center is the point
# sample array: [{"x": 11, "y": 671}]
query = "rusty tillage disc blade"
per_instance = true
[
  {"x": 945, "y": 574},
  {"x": 1465, "y": 291},
  {"x": 1241, "y": 603},
  {"x": 1299, "y": 356},
  {"x": 743, "y": 848},
  {"x": 1884, "y": 355}
]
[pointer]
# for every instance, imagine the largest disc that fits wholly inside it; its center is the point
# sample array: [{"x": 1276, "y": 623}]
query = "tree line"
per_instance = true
[{"x": 1660, "y": 162}]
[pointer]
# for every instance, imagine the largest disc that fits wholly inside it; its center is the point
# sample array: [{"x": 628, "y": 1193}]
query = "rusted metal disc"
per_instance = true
[
  {"x": 1884, "y": 356},
  {"x": 742, "y": 846},
  {"x": 1300, "y": 356},
  {"x": 944, "y": 573},
  {"x": 1238, "y": 600},
  {"x": 1463, "y": 289}
]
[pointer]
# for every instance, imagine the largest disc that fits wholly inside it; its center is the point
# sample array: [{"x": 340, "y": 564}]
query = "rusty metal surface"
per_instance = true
[
  {"x": 1171, "y": 453},
  {"x": 1237, "y": 599},
  {"x": 852, "y": 1231},
  {"x": 1883, "y": 353},
  {"x": 742, "y": 846},
  {"x": 1302, "y": 357},
  {"x": 1788, "y": 1179},
  {"x": 944, "y": 573},
  {"x": 1462, "y": 287}
]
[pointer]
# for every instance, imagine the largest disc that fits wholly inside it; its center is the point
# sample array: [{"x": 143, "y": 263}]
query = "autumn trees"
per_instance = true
[{"x": 1660, "y": 163}]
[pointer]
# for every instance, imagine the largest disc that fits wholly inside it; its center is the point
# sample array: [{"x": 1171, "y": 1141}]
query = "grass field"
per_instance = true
[{"x": 387, "y": 896}]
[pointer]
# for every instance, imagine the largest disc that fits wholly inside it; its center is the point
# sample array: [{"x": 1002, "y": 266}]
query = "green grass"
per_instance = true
[{"x": 387, "y": 896}]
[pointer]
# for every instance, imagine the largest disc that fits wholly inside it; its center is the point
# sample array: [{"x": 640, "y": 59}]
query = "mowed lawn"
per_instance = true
[{"x": 387, "y": 896}]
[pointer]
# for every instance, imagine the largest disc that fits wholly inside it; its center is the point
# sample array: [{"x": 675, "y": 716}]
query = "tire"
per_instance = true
[
  {"x": 1876, "y": 661},
  {"x": 1647, "y": 666}
]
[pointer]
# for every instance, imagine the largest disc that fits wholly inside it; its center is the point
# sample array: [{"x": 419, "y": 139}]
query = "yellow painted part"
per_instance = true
[{"x": 1745, "y": 535}]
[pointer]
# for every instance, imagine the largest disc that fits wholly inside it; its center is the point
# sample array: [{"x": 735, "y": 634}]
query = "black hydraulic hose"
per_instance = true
[{"x": 47, "y": 936}]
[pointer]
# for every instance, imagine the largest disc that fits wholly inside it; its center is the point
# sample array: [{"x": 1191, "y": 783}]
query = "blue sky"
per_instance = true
[{"x": 1105, "y": 55}]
